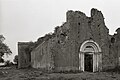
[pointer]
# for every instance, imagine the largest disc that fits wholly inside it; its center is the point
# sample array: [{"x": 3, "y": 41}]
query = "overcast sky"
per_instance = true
[{"x": 27, "y": 20}]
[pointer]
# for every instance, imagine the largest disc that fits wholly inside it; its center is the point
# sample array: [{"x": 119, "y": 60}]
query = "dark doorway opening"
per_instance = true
[{"x": 88, "y": 62}]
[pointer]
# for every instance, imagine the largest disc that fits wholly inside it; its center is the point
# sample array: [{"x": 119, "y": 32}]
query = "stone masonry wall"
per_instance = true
[
  {"x": 23, "y": 56},
  {"x": 82, "y": 28},
  {"x": 41, "y": 56},
  {"x": 61, "y": 52}
]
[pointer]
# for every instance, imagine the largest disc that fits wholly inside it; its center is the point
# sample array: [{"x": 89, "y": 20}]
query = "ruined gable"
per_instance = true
[{"x": 84, "y": 28}]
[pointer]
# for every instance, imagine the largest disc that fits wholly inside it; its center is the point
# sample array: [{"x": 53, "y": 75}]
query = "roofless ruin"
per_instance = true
[{"x": 81, "y": 44}]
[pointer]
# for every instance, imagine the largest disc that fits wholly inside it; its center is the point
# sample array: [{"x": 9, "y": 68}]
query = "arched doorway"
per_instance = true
[{"x": 90, "y": 57}]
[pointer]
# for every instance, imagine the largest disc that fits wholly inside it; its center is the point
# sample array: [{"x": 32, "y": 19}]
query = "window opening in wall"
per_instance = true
[
  {"x": 112, "y": 40},
  {"x": 58, "y": 41}
]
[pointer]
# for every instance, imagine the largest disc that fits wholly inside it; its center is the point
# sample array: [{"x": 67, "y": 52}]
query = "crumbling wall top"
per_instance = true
[
  {"x": 23, "y": 43},
  {"x": 95, "y": 12},
  {"x": 118, "y": 30},
  {"x": 74, "y": 14}
]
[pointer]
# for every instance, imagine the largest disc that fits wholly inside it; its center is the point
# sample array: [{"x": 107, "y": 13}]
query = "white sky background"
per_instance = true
[{"x": 27, "y": 20}]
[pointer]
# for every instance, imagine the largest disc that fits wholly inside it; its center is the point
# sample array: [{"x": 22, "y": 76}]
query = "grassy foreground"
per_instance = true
[{"x": 34, "y": 74}]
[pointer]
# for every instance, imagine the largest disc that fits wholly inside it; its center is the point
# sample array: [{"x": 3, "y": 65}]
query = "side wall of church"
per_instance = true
[{"x": 41, "y": 56}]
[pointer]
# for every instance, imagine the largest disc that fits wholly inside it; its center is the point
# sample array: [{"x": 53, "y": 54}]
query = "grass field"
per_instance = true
[{"x": 34, "y": 74}]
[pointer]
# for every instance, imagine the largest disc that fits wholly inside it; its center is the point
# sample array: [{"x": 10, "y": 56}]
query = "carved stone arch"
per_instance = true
[
  {"x": 92, "y": 48},
  {"x": 90, "y": 43}
]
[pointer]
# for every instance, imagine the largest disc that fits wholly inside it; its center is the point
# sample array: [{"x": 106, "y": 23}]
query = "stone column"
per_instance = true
[
  {"x": 97, "y": 61},
  {"x": 81, "y": 61}
]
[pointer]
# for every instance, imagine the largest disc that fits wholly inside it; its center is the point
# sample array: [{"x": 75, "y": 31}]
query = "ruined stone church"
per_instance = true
[{"x": 82, "y": 43}]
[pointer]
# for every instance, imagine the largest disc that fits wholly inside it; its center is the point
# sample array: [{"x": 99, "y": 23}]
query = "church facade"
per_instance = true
[{"x": 82, "y": 43}]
